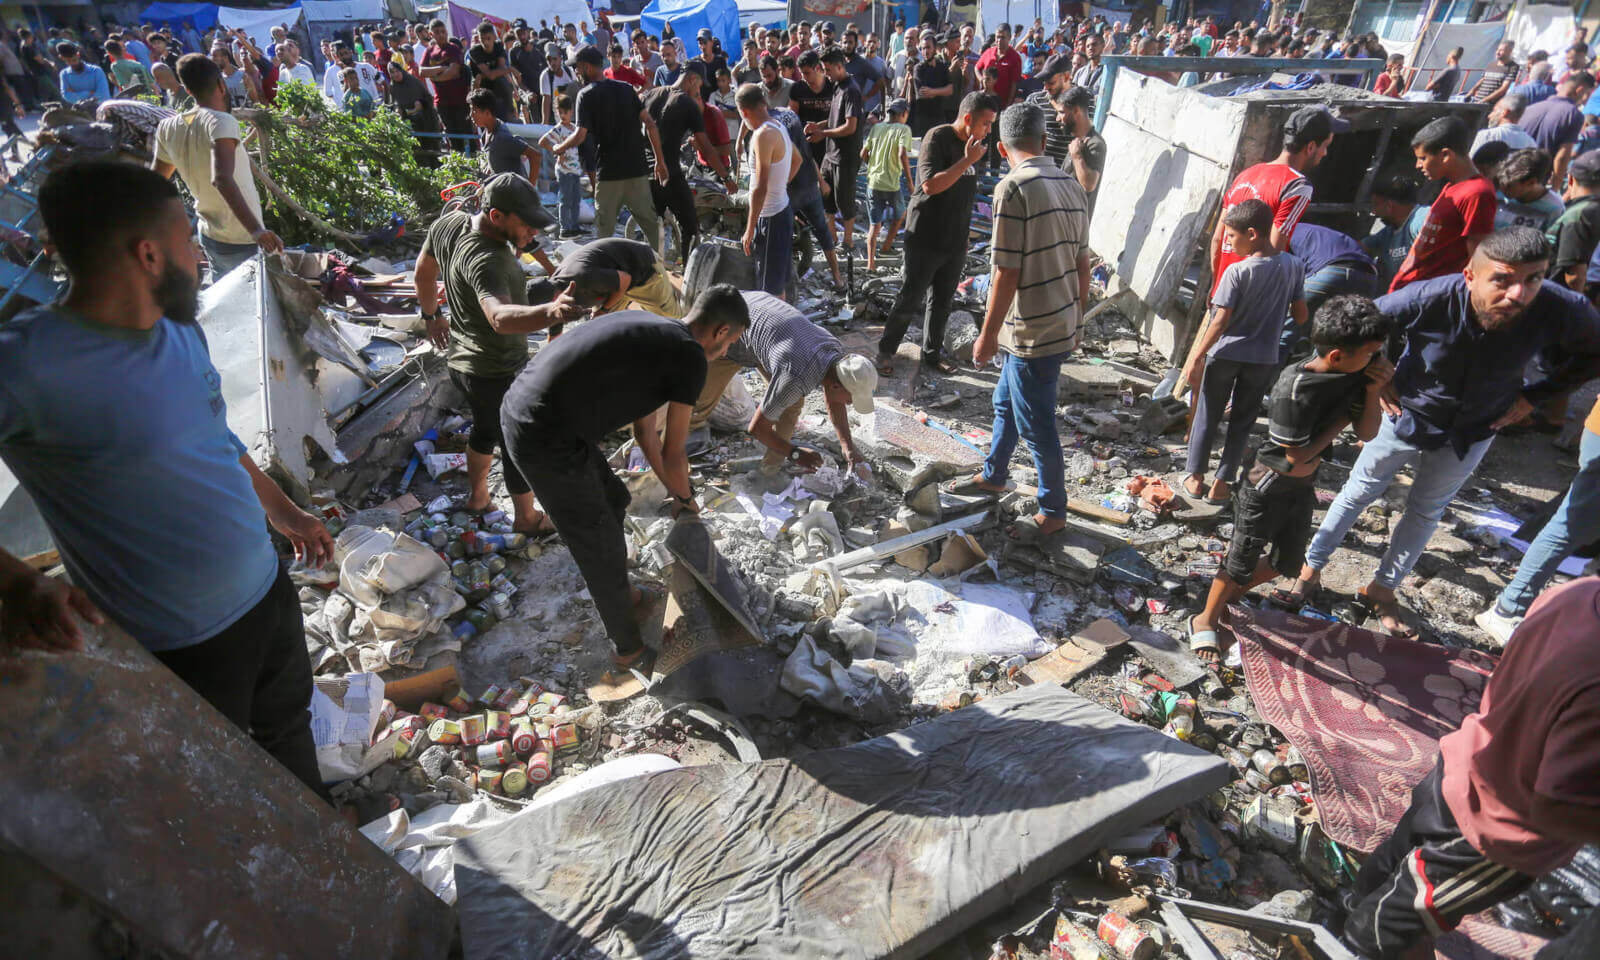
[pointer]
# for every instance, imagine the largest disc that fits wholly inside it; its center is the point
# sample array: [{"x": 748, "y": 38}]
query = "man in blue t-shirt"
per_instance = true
[{"x": 112, "y": 419}]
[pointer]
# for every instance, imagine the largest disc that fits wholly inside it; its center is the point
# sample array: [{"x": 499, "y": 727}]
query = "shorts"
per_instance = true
[
  {"x": 810, "y": 210},
  {"x": 887, "y": 206},
  {"x": 484, "y": 397},
  {"x": 841, "y": 198},
  {"x": 1270, "y": 508}
]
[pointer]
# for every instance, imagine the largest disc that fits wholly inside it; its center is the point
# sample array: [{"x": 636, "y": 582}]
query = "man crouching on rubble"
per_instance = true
[
  {"x": 796, "y": 356},
  {"x": 112, "y": 418},
  {"x": 604, "y": 376},
  {"x": 1515, "y": 794}
]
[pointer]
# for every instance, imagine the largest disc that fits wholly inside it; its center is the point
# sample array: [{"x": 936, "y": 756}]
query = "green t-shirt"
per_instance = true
[
  {"x": 358, "y": 103},
  {"x": 129, "y": 72},
  {"x": 884, "y": 144},
  {"x": 475, "y": 266}
]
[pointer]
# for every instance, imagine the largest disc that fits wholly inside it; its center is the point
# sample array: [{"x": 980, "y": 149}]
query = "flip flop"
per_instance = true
[
  {"x": 1285, "y": 600},
  {"x": 1026, "y": 531},
  {"x": 1389, "y": 609},
  {"x": 639, "y": 669},
  {"x": 968, "y": 487},
  {"x": 940, "y": 366},
  {"x": 1204, "y": 640}
]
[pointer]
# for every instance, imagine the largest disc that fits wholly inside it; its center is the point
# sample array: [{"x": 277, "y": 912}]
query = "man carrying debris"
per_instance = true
[
  {"x": 490, "y": 319},
  {"x": 938, "y": 224},
  {"x": 1040, "y": 280},
  {"x": 1515, "y": 793},
  {"x": 796, "y": 356},
  {"x": 204, "y": 146},
  {"x": 112, "y": 418},
  {"x": 605, "y": 274},
  {"x": 593, "y": 381},
  {"x": 1465, "y": 341}
]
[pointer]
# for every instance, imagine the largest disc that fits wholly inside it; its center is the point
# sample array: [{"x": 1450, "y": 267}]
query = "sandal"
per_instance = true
[
  {"x": 1027, "y": 531},
  {"x": 641, "y": 666},
  {"x": 940, "y": 366},
  {"x": 1386, "y": 610},
  {"x": 542, "y": 531},
  {"x": 970, "y": 486},
  {"x": 1286, "y": 600},
  {"x": 1204, "y": 640}
]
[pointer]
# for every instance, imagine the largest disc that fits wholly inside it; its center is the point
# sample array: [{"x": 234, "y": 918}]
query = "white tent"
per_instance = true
[
  {"x": 762, "y": 12},
  {"x": 257, "y": 24},
  {"x": 570, "y": 11}
]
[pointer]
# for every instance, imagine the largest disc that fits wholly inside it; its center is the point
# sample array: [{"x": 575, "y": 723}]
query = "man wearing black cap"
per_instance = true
[
  {"x": 487, "y": 330},
  {"x": 609, "y": 112},
  {"x": 842, "y": 134},
  {"x": 709, "y": 61},
  {"x": 1055, "y": 76},
  {"x": 1281, "y": 183}
]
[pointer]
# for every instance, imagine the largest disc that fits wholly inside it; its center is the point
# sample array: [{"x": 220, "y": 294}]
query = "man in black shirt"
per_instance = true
[
  {"x": 599, "y": 378},
  {"x": 678, "y": 113},
  {"x": 932, "y": 86},
  {"x": 709, "y": 61},
  {"x": 491, "y": 69},
  {"x": 605, "y": 274},
  {"x": 609, "y": 111},
  {"x": 937, "y": 226},
  {"x": 527, "y": 58},
  {"x": 841, "y": 160},
  {"x": 812, "y": 98}
]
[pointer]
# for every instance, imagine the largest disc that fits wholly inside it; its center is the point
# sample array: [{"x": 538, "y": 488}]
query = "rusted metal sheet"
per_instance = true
[{"x": 120, "y": 781}]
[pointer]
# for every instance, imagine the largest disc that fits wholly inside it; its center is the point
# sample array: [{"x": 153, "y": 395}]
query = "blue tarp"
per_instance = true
[
  {"x": 688, "y": 17},
  {"x": 202, "y": 15}
]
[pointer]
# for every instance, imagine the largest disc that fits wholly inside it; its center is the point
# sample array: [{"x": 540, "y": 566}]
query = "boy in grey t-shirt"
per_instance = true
[{"x": 1236, "y": 355}]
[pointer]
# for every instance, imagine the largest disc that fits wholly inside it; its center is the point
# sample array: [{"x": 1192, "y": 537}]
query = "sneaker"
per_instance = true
[{"x": 1496, "y": 624}]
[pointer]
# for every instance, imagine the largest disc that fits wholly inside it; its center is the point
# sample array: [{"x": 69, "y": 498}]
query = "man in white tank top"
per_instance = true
[{"x": 772, "y": 159}]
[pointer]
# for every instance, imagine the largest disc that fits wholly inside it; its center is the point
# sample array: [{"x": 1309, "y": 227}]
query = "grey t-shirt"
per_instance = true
[{"x": 1258, "y": 291}]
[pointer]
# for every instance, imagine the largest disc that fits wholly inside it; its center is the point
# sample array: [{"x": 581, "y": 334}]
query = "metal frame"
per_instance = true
[
  {"x": 32, "y": 281},
  {"x": 1369, "y": 68}
]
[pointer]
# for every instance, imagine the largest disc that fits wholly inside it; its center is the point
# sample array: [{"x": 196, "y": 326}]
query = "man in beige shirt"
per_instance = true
[
  {"x": 203, "y": 146},
  {"x": 1040, "y": 257}
]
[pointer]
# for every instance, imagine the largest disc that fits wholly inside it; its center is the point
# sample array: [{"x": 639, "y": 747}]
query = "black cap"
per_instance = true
[
  {"x": 520, "y": 23},
  {"x": 1060, "y": 63},
  {"x": 705, "y": 34},
  {"x": 590, "y": 54},
  {"x": 1313, "y": 123},
  {"x": 1585, "y": 170},
  {"x": 827, "y": 26},
  {"x": 512, "y": 193}
]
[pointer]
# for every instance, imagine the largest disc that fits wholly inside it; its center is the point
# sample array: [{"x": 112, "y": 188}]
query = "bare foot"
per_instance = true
[
  {"x": 1194, "y": 485},
  {"x": 1386, "y": 606}
]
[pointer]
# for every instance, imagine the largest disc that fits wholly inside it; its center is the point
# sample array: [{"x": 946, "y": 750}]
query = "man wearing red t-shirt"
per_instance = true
[
  {"x": 1006, "y": 61},
  {"x": 1280, "y": 184},
  {"x": 1515, "y": 794},
  {"x": 621, "y": 71},
  {"x": 1461, "y": 216},
  {"x": 445, "y": 66}
]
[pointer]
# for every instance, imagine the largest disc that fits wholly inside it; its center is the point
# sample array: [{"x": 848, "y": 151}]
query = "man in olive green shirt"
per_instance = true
[{"x": 487, "y": 331}]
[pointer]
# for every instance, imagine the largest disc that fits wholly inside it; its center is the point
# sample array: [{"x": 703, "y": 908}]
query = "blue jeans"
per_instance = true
[
  {"x": 774, "y": 243},
  {"x": 570, "y": 186},
  {"x": 1025, "y": 405},
  {"x": 1331, "y": 281},
  {"x": 1576, "y": 523},
  {"x": 1436, "y": 476},
  {"x": 223, "y": 257}
]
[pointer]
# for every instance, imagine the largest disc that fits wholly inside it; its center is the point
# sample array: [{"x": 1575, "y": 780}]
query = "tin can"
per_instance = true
[
  {"x": 496, "y": 754},
  {"x": 538, "y": 708},
  {"x": 497, "y": 724},
  {"x": 433, "y": 711},
  {"x": 500, "y": 606},
  {"x": 496, "y": 564},
  {"x": 563, "y": 735},
  {"x": 1297, "y": 765},
  {"x": 511, "y": 694},
  {"x": 1125, "y": 936},
  {"x": 519, "y": 706},
  {"x": 386, "y": 713},
  {"x": 410, "y": 722},
  {"x": 489, "y": 696},
  {"x": 489, "y": 779},
  {"x": 1236, "y": 758},
  {"x": 552, "y": 699},
  {"x": 1271, "y": 767},
  {"x": 460, "y": 701},
  {"x": 532, "y": 686},
  {"x": 473, "y": 730},
  {"x": 1257, "y": 781},
  {"x": 515, "y": 780},
  {"x": 523, "y": 739},
  {"x": 539, "y": 766},
  {"x": 444, "y": 731}
]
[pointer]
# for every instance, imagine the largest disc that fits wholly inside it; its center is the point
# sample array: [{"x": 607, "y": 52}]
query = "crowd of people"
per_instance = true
[{"x": 1450, "y": 324}]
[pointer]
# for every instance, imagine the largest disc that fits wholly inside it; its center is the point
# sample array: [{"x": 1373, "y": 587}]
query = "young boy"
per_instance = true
[
  {"x": 1237, "y": 354},
  {"x": 357, "y": 102},
  {"x": 1523, "y": 199},
  {"x": 507, "y": 152},
  {"x": 1312, "y": 402},
  {"x": 568, "y": 172},
  {"x": 989, "y": 82},
  {"x": 1575, "y": 233},
  {"x": 887, "y": 154},
  {"x": 1462, "y": 215}
]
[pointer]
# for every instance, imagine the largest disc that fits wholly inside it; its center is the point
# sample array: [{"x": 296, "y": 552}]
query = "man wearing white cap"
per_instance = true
[{"x": 796, "y": 356}]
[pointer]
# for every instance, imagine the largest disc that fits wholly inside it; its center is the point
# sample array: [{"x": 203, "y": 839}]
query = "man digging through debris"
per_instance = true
[
  {"x": 591, "y": 381},
  {"x": 487, "y": 331}
]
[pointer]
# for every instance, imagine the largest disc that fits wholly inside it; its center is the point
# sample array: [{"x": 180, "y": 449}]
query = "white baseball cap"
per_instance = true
[{"x": 860, "y": 377}]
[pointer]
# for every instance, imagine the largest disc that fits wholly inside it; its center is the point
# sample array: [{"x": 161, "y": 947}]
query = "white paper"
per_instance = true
[{"x": 343, "y": 712}]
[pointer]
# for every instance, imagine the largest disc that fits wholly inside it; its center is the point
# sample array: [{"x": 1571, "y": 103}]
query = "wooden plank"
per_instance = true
[
  {"x": 1089, "y": 509},
  {"x": 1062, "y": 664},
  {"x": 889, "y": 548}
]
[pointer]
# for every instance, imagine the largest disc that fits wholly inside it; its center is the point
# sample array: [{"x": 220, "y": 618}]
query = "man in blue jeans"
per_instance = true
[
  {"x": 1335, "y": 265},
  {"x": 1576, "y": 523},
  {"x": 1040, "y": 256},
  {"x": 1464, "y": 342}
]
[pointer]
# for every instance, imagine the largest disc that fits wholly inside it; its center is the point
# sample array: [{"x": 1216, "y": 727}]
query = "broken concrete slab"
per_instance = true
[
  {"x": 908, "y": 453},
  {"x": 123, "y": 786},
  {"x": 860, "y": 851},
  {"x": 1067, "y": 554}
]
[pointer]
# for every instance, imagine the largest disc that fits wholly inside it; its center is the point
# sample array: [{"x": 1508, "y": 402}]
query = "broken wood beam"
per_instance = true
[
  {"x": 1323, "y": 942},
  {"x": 1089, "y": 509}
]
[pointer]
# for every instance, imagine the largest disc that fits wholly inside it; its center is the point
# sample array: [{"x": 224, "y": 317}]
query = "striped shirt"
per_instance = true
[
  {"x": 1056, "y": 138},
  {"x": 1041, "y": 225},
  {"x": 792, "y": 352}
]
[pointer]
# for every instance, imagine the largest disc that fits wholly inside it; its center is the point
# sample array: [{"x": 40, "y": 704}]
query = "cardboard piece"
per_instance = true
[{"x": 1062, "y": 664}]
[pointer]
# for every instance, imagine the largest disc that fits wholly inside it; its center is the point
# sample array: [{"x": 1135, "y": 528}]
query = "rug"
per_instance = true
[{"x": 1365, "y": 710}]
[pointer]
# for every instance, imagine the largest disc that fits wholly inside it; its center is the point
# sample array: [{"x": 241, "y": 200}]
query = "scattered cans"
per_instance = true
[{"x": 445, "y": 731}]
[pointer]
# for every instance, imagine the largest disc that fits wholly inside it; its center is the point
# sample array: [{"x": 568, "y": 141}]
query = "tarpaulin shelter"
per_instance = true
[
  {"x": 766, "y": 13},
  {"x": 256, "y": 23},
  {"x": 327, "y": 18},
  {"x": 689, "y": 17},
  {"x": 507, "y": 11}
]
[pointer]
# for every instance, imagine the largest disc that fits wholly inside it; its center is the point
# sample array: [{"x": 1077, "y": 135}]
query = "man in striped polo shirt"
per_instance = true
[
  {"x": 1040, "y": 257},
  {"x": 1057, "y": 76}
]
